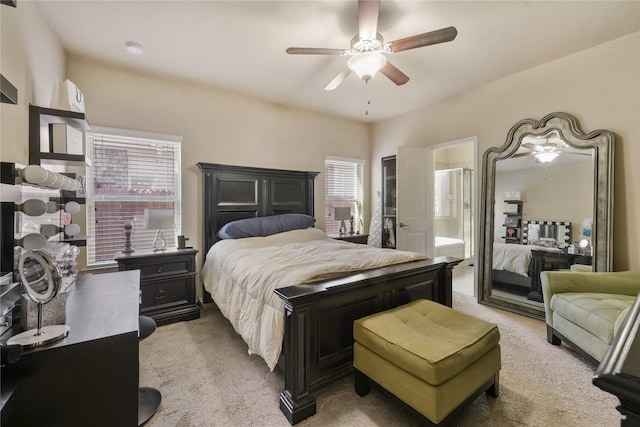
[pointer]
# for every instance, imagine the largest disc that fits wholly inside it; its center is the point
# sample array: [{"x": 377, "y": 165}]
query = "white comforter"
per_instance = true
[
  {"x": 515, "y": 258},
  {"x": 241, "y": 275}
]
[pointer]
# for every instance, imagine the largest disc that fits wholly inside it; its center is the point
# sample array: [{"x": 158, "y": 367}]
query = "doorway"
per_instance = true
[{"x": 454, "y": 207}]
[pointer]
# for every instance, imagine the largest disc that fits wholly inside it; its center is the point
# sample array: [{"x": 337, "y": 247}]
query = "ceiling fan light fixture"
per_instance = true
[
  {"x": 366, "y": 64},
  {"x": 134, "y": 48},
  {"x": 546, "y": 156}
]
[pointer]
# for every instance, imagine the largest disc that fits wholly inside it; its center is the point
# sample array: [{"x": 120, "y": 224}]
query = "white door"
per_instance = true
[{"x": 414, "y": 170}]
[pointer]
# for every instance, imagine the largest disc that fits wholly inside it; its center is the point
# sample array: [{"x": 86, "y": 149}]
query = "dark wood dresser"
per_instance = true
[
  {"x": 167, "y": 283},
  {"x": 89, "y": 378},
  {"x": 549, "y": 261}
]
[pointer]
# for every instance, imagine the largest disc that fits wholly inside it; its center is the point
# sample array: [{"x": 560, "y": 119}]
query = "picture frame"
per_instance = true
[{"x": 511, "y": 221}]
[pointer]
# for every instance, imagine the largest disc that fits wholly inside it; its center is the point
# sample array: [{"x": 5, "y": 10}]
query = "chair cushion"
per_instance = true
[
  {"x": 597, "y": 313},
  {"x": 427, "y": 339}
]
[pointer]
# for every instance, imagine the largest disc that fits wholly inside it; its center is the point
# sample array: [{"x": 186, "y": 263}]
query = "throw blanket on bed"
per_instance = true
[
  {"x": 515, "y": 258},
  {"x": 241, "y": 275}
]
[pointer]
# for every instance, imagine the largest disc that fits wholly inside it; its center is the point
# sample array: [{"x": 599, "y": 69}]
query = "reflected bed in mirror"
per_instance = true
[{"x": 558, "y": 171}]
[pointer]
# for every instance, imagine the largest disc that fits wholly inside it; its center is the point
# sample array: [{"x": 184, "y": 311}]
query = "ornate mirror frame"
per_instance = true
[{"x": 602, "y": 144}]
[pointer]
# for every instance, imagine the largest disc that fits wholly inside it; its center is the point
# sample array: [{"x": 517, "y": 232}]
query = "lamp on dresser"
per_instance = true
[
  {"x": 158, "y": 219},
  {"x": 342, "y": 214}
]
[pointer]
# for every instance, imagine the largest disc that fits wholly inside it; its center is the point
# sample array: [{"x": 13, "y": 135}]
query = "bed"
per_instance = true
[
  {"x": 512, "y": 267},
  {"x": 317, "y": 316}
]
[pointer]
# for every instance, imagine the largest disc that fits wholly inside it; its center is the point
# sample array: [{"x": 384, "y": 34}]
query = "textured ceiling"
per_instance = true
[{"x": 240, "y": 45}]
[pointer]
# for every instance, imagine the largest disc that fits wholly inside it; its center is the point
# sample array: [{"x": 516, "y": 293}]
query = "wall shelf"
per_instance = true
[
  {"x": 39, "y": 120},
  {"x": 513, "y": 221},
  {"x": 9, "y": 93}
]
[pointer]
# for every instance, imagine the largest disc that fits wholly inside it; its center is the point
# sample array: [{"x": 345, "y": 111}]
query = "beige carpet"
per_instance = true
[{"x": 207, "y": 379}]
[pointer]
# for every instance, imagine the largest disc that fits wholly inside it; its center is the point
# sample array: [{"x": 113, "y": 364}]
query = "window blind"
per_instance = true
[
  {"x": 130, "y": 173},
  {"x": 344, "y": 187}
]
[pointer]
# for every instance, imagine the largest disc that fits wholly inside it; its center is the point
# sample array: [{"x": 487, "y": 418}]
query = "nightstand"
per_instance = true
[
  {"x": 353, "y": 238},
  {"x": 167, "y": 283}
]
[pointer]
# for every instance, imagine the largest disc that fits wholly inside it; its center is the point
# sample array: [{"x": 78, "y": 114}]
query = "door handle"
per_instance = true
[{"x": 403, "y": 225}]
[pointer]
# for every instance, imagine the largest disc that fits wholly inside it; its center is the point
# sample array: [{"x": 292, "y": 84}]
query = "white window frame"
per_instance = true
[
  {"x": 140, "y": 138},
  {"x": 356, "y": 202}
]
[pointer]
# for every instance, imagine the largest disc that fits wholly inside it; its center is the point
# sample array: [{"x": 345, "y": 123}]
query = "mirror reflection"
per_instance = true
[{"x": 542, "y": 200}]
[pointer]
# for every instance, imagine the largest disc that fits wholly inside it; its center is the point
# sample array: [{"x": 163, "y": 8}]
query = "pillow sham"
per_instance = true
[{"x": 265, "y": 225}]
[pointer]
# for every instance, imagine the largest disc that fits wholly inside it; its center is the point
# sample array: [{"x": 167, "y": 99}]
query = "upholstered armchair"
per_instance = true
[{"x": 586, "y": 309}]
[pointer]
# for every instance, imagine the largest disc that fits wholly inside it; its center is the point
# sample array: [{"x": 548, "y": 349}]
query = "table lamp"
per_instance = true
[
  {"x": 342, "y": 214},
  {"x": 158, "y": 219}
]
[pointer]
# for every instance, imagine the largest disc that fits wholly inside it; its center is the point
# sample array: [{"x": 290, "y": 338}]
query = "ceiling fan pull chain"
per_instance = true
[{"x": 366, "y": 111}]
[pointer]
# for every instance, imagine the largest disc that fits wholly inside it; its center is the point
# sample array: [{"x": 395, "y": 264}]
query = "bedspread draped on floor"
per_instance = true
[{"x": 241, "y": 274}]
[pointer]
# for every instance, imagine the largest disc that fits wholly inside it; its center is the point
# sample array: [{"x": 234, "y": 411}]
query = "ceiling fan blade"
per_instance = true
[
  {"x": 368, "y": 18},
  {"x": 314, "y": 51},
  {"x": 338, "y": 79},
  {"x": 531, "y": 146},
  {"x": 523, "y": 154},
  {"x": 395, "y": 75},
  {"x": 426, "y": 39}
]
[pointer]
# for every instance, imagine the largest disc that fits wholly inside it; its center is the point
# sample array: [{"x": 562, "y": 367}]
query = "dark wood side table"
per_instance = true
[
  {"x": 353, "y": 238},
  {"x": 549, "y": 261},
  {"x": 167, "y": 283},
  {"x": 89, "y": 378}
]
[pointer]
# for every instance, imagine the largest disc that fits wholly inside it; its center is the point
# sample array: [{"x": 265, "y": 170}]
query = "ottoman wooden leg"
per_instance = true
[
  {"x": 494, "y": 389},
  {"x": 361, "y": 383}
]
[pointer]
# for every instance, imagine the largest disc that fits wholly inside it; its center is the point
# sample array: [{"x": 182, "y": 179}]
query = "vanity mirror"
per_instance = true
[
  {"x": 554, "y": 234},
  {"x": 562, "y": 175}
]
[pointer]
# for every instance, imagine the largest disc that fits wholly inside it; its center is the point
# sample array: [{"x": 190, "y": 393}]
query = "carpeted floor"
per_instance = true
[{"x": 207, "y": 379}]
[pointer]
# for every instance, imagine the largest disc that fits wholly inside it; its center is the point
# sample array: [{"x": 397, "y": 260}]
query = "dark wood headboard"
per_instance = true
[{"x": 238, "y": 192}]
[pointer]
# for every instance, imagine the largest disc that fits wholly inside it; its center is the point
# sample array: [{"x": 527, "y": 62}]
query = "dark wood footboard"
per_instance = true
[{"x": 318, "y": 340}]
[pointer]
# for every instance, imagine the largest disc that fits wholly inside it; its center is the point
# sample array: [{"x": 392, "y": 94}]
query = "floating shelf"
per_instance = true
[
  {"x": 9, "y": 93},
  {"x": 42, "y": 117}
]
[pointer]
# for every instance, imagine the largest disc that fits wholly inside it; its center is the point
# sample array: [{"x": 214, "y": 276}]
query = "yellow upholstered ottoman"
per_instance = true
[{"x": 431, "y": 357}]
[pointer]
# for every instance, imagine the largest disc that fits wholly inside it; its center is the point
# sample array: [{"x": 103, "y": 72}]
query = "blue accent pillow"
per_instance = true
[{"x": 265, "y": 225}]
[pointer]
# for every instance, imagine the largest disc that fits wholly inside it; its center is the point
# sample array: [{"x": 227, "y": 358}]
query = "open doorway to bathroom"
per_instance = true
[{"x": 454, "y": 208}]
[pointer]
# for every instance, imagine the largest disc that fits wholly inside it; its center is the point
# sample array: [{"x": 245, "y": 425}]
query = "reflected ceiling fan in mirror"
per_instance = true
[
  {"x": 544, "y": 153},
  {"x": 368, "y": 48},
  {"x": 547, "y": 151}
]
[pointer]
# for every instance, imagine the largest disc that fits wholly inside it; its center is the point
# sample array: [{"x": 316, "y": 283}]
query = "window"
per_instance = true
[
  {"x": 344, "y": 186},
  {"x": 131, "y": 172}
]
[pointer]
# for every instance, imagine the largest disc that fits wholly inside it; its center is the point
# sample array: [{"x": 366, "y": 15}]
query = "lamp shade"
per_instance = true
[
  {"x": 366, "y": 64},
  {"x": 546, "y": 156},
  {"x": 342, "y": 214},
  {"x": 156, "y": 219}
]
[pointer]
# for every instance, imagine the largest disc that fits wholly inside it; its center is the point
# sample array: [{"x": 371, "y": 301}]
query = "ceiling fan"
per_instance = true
[
  {"x": 368, "y": 48},
  {"x": 546, "y": 152}
]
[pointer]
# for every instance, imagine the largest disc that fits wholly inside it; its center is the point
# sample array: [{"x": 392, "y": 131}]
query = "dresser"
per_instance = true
[
  {"x": 167, "y": 283},
  {"x": 549, "y": 261},
  {"x": 89, "y": 378}
]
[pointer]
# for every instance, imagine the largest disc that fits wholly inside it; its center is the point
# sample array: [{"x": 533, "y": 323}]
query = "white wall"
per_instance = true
[
  {"x": 599, "y": 86},
  {"x": 32, "y": 59}
]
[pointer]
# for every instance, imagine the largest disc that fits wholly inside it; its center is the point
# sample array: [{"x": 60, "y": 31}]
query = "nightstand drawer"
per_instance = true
[
  {"x": 167, "y": 283},
  {"x": 167, "y": 292},
  {"x": 174, "y": 266}
]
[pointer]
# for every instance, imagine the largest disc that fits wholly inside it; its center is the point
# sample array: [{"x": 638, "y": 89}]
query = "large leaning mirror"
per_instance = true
[{"x": 547, "y": 204}]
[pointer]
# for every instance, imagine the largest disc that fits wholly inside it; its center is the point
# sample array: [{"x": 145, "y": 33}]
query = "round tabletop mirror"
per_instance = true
[{"x": 41, "y": 279}]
